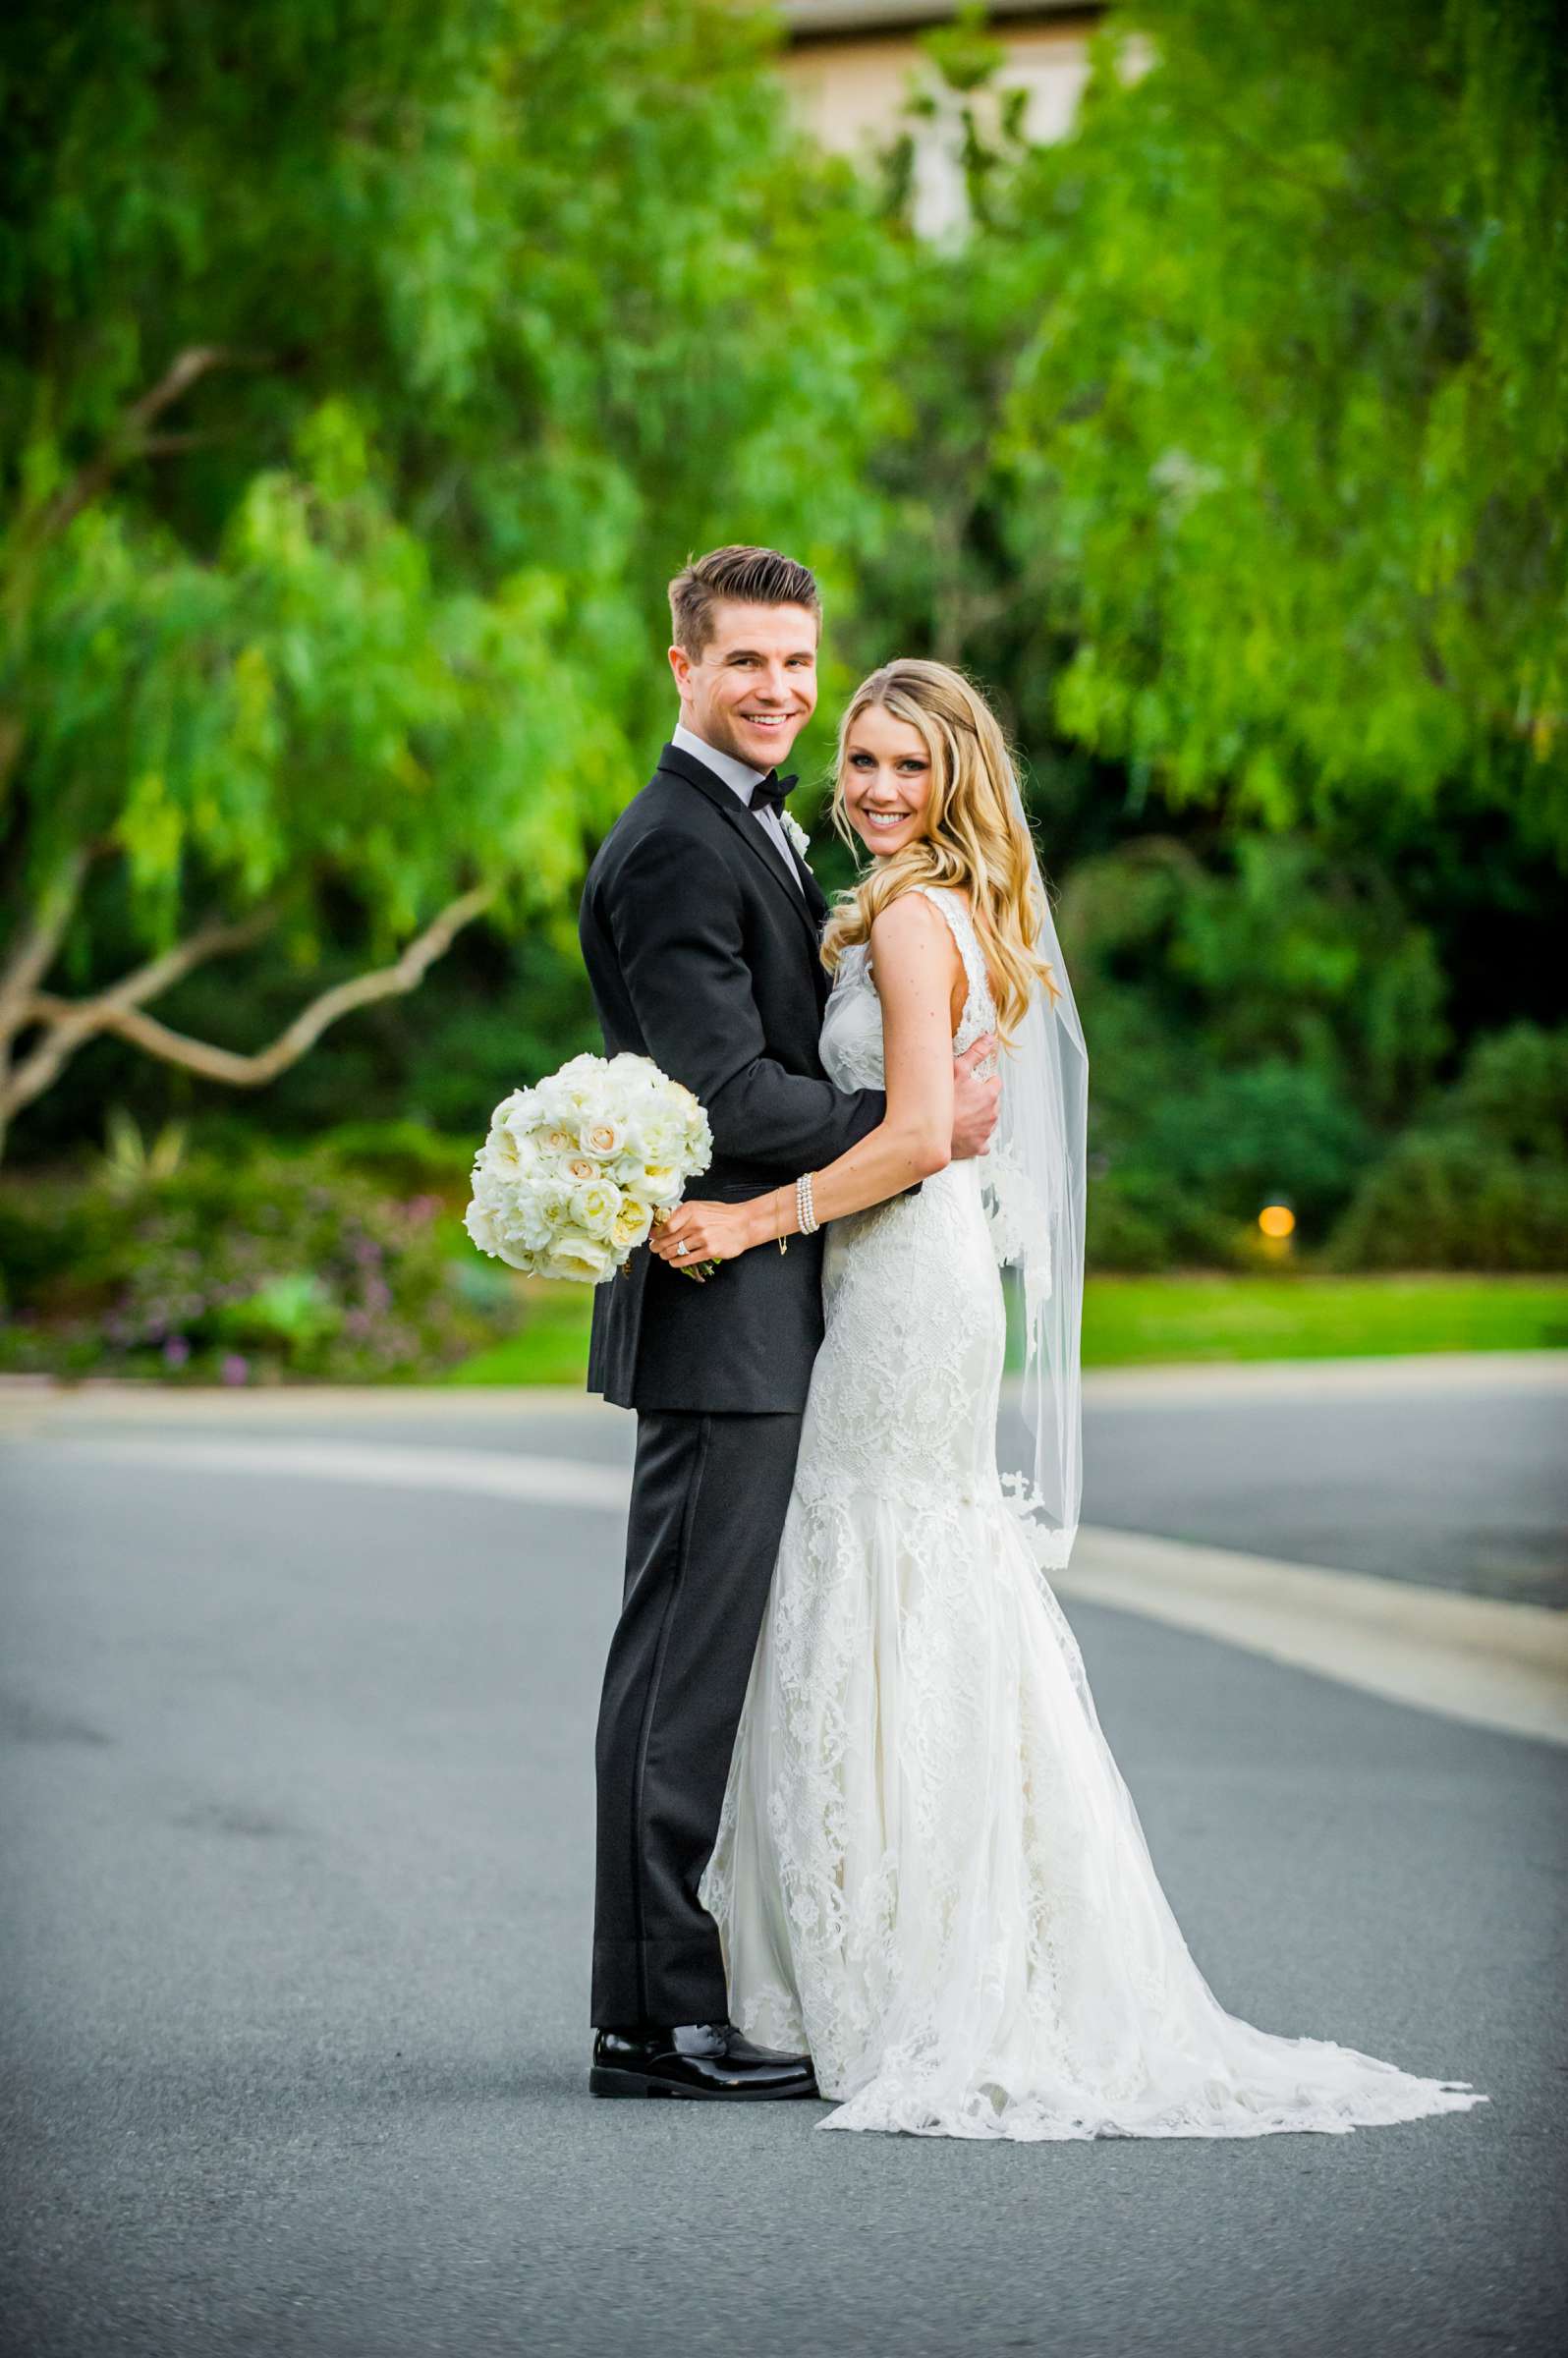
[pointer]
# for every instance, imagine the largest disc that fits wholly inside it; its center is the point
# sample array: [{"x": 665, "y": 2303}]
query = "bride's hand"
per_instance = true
[{"x": 709, "y": 1232}]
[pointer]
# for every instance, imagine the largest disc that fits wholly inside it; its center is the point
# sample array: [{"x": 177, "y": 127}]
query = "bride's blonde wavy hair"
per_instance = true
[{"x": 975, "y": 838}]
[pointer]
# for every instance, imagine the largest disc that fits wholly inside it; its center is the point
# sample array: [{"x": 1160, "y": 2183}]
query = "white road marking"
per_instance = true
[
  {"x": 1493, "y": 1664},
  {"x": 384, "y": 1465},
  {"x": 1482, "y": 1659},
  {"x": 30, "y": 1405},
  {"x": 1263, "y": 1381}
]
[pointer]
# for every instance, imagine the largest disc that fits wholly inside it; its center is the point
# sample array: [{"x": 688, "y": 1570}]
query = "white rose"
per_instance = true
[
  {"x": 627, "y": 1168},
  {"x": 518, "y": 1139},
  {"x": 602, "y": 1136},
  {"x": 491, "y": 1235},
  {"x": 537, "y": 1216},
  {"x": 519, "y": 1111},
  {"x": 698, "y": 1146},
  {"x": 663, "y": 1133},
  {"x": 596, "y": 1205},
  {"x": 632, "y": 1223},
  {"x": 480, "y": 1222},
  {"x": 582, "y": 1260},
  {"x": 564, "y": 1098}
]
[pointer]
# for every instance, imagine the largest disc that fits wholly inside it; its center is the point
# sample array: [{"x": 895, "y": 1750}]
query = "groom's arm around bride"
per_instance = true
[{"x": 699, "y": 927}]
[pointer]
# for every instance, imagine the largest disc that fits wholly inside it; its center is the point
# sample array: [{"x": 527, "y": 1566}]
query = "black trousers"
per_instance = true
[{"x": 709, "y": 1500}]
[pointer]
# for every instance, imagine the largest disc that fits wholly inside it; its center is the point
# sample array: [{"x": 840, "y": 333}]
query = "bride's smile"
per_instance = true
[{"x": 887, "y": 781}]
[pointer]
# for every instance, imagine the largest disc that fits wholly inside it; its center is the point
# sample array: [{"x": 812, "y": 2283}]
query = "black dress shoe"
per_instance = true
[{"x": 696, "y": 2058}]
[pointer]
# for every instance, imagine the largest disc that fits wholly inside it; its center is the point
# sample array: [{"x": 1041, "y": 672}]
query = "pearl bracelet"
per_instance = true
[{"x": 804, "y": 1208}]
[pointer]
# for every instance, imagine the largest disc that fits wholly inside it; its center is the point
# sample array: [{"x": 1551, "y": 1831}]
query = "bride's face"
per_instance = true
[{"x": 887, "y": 781}]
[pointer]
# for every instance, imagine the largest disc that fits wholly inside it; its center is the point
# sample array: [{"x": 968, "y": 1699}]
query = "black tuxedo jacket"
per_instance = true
[{"x": 701, "y": 952}]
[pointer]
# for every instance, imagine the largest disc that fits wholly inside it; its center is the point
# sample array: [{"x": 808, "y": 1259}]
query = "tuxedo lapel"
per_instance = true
[
  {"x": 814, "y": 898},
  {"x": 816, "y": 903},
  {"x": 808, "y": 904}
]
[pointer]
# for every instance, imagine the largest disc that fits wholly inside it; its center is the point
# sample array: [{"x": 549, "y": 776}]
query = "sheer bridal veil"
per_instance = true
[{"x": 1036, "y": 1184}]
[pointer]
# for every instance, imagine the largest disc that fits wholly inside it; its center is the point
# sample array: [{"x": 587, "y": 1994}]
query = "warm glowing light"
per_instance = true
[{"x": 1276, "y": 1220}]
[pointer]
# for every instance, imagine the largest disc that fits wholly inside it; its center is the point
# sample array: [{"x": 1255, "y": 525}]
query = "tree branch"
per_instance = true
[
  {"x": 36, "y": 944},
  {"x": 181, "y": 375},
  {"x": 120, "y": 1013},
  {"x": 12, "y": 737},
  {"x": 70, "y": 1022},
  {"x": 132, "y": 438}
]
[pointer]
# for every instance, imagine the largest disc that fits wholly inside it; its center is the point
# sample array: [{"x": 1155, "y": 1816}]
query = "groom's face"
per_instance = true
[{"x": 753, "y": 688}]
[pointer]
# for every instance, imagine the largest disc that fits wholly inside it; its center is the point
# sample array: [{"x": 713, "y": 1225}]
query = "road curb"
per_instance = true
[{"x": 1495, "y": 1663}]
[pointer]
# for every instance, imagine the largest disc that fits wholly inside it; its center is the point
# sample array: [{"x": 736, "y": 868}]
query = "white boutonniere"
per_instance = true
[{"x": 796, "y": 833}]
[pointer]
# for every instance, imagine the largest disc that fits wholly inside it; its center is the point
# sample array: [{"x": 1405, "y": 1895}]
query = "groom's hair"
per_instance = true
[{"x": 757, "y": 576}]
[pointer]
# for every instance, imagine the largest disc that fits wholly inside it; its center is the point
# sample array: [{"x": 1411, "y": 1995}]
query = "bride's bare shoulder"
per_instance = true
[
  {"x": 911, "y": 936},
  {"x": 910, "y": 924}
]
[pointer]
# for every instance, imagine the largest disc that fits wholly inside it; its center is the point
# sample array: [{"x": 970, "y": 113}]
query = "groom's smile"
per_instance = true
[{"x": 753, "y": 687}]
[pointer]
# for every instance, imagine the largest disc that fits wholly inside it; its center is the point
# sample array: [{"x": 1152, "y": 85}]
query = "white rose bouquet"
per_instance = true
[{"x": 574, "y": 1172}]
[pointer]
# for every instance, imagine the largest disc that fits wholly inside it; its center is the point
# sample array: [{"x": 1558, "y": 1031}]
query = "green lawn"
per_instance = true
[{"x": 1132, "y": 1321}]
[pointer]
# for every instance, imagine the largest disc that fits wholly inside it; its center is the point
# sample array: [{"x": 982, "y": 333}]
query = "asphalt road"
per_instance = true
[
  {"x": 1462, "y": 1485},
  {"x": 296, "y": 1844},
  {"x": 1463, "y": 1488}
]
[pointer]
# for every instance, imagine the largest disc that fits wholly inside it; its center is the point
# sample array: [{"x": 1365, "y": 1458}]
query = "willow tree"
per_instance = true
[
  {"x": 1292, "y": 428},
  {"x": 365, "y": 367}
]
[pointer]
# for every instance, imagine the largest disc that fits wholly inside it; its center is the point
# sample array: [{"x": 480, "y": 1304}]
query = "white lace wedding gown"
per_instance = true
[{"x": 929, "y": 1870}]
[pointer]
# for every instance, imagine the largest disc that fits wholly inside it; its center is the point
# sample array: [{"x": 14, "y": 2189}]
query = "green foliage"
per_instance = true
[
  {"x": 405, "y": 1155},
  {"x": 363, "y": 381},
  {"x": 240, "y": 1270},
  {"x": 130, "y": 1160},
  {"x": 503, "y": 1030},
  {"x": 1257, "y": 1024},
  {"x": 1514, "y": 1093},
  {"x": 1292, "y": 421},
  {"x": 1481, "y": 1181},
  {"x": 1227, "y": 448},
  {"x": 1142, "y": 1220}
]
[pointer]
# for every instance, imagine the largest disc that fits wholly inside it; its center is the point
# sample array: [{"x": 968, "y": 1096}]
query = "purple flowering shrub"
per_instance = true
[{"x": 240, "y": 1271}]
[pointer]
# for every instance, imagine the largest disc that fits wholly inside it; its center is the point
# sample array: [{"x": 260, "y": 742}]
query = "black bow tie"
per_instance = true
[{"x": 768, "y": 793}]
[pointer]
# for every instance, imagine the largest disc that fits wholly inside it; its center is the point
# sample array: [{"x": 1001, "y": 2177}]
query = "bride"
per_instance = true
[{"x": 928, "y": 1869}]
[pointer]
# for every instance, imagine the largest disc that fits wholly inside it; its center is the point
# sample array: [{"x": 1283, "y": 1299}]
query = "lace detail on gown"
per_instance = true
[{"x": 928, "y": 1869}]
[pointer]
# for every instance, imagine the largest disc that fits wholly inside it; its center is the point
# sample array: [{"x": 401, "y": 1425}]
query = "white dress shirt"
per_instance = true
[{"x": 740, "y": 780}]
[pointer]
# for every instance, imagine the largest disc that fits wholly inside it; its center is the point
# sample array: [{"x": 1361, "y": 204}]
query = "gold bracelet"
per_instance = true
[{"x": 782, "y": 1243}]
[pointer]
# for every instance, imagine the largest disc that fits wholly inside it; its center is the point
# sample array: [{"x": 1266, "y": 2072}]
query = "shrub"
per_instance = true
[
  {"x": 406, "y": 1156},
  {"x": 246, "y": 1270},
  {"x": 1258, "y": 1134},
  {"x": 1440, "y": 1200},
  {"x": 1140, "y": 1221},
  {"x": 1481, "y": 1183}
]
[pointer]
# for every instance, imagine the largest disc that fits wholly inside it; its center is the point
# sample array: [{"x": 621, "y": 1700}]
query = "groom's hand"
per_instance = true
[{"x": 975, "y": 1103}]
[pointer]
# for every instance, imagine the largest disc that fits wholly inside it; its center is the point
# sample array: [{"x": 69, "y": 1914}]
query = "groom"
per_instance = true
[{"x": 699, "y": 926}]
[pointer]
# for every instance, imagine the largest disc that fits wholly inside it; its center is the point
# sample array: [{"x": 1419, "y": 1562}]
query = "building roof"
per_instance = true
[{"x": 805, "y": 18}]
